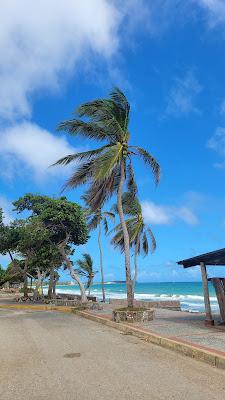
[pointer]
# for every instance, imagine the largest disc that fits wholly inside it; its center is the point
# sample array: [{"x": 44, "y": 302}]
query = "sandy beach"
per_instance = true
[{"x": 51, "y": 355}]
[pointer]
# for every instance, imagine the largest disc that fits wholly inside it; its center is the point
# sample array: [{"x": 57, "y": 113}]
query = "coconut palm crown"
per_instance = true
[
  {"x": 85, "y": 268},
  {"x": 107, "y": 168}
]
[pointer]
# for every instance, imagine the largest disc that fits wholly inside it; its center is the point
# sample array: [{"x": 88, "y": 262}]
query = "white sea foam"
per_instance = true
[{"x": 192, "y": 303}]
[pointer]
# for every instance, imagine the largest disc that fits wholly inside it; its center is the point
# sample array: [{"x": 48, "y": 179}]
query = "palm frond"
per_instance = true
[
  {"x": 153, "y": 240},
  {"x": 85, "y": 155},
  {"x": 102, "y": 190},
  {"x": 145, "y": 246},
  {"x": 85, "y": 265},
  {"x": 104, "y": 113},
  {"x": 131, "y": 183},
  {"x": 89, "y": 130},
  {"x": 105, "y": 163},
  {"x": 109, "y": 214},
  {"x": 150, "y": 160},
  {"x": 93, "y": 222},
  {"x": 106, "y": 227},
  {"x": 121, "y": 102},
  {"x": 118, "y": 241},
  {"x": 88, "y": 260},
  {"x": 82, "y": 174}
]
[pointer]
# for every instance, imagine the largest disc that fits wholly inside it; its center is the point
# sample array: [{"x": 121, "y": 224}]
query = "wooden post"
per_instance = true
[
  {"x": 218, "y": 285},
  {"x": 209, "y": 320}
]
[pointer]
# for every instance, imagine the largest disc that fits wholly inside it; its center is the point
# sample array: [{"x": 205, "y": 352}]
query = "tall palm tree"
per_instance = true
[
  {"x": 85, "y": 268},
  {"x": 139, "y": 232},
  {"x": 107, "y": 168},
  {"x": 95, "y": 220}
]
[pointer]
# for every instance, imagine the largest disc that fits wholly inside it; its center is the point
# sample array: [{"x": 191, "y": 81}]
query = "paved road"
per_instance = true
[{"x": 56, "y": 356}]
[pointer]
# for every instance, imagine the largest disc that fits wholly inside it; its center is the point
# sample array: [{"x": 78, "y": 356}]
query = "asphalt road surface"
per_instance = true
[{"x": 57, "y": 356}]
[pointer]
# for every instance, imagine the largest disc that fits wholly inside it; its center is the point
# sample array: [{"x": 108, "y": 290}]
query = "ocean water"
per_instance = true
[{"x": 190, "y": 294}]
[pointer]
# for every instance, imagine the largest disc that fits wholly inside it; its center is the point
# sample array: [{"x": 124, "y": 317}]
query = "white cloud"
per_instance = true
[
  {"x": 28, "y": 146},
  {"x": 155, "y": 214},
  {"x": 182, "y": 96},
  {"x": 163, "y": 215},
  {"x": 42, "y": 40},
  {"x": 186, "y": 214},
  {"x": 215, "y": 11}
]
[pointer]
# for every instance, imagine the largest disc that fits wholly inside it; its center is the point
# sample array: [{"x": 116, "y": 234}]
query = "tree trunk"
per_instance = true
[
  {"x": 54, "y": 285},
  {"x": 135, "y": 264},
  {"x": 74, "y": 275},
  {"x": 89, "y": 283},
  {"x": 51, "y": 283},
  {"x": 38, "y": 285},
  {"x": 12, "y": 259},
  {"x": 101, "y": 262},
  {"x": 25, "y": 285},
  {"x": 130, "y": 293}
]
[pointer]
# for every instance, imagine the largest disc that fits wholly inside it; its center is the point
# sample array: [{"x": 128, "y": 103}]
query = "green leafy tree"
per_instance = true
[
  {"x": 9, "y": 236},
  {"x": 11, "y": 274},
  {"x": 141, "y": 236},
  {"x": 85, "y": 268},
  {"x": 46, "y": 260},
  {"x": 32, "y": 237},
  {"x": 65, "y": 223},
  {"x": 2, "y": 275},
  {"x": 107, "y": 168}
]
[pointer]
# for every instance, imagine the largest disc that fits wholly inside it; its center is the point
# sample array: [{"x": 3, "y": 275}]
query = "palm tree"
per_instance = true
[
  {"x": 139, "y": 232},
  {"x": 85, "y": 268},
  {"x": 96, "y": 219},
  {"x": 107, "y": 168}
]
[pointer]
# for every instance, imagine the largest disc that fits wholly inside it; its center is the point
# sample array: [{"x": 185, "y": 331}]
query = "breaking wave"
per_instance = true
[{"x": 193, "y": 303}]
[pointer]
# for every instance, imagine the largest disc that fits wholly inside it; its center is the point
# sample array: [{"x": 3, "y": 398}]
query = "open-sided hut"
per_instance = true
[{"x": 214, "y": 258}]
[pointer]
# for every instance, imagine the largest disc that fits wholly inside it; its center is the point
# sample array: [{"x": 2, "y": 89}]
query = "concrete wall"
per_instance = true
[{"x": 171, "y": 305}]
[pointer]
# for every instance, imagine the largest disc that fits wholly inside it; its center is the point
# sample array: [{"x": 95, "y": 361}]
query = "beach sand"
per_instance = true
[{"x": 56, "y": 356}]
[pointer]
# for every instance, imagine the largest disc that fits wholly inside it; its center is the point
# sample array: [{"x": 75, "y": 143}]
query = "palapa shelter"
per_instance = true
[{"x": 214, "y": 258}]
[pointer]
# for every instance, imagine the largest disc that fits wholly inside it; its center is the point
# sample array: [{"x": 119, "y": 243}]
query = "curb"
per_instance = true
[
  {"x": 210, "y": 357},
  {"x": 36, "y": 307}
]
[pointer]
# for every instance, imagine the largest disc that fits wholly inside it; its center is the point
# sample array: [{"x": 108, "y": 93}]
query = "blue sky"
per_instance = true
[{"x": 168, "y": 56}]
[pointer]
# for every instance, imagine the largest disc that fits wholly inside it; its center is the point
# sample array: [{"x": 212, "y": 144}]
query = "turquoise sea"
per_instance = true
[{"x": 190, "y": 294}]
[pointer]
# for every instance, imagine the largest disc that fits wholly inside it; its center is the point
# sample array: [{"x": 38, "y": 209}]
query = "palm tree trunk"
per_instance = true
[
  {"x": 130, "y": 293},
  {"x": 101, "y": 262},
  {"x": 135, "y": 264},
  {"x": 89, "y": 286},
  {"x": 74, "y": 275}
]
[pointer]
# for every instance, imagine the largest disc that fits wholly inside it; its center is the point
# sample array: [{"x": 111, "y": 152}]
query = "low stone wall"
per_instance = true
[
  {"x": 133, "y": 316},
  {"x": 170, "y": 304},
  {"x": 74, "y": 303},
  {"x": 74, "y": 296}
]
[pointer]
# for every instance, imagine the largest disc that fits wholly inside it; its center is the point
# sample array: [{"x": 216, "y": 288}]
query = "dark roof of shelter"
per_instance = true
[{"x": 213, "y": 258}]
